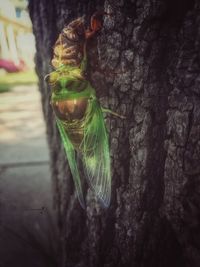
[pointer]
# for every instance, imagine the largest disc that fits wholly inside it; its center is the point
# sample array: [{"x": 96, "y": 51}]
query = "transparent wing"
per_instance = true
[
  {"x": 70, "y": 152},
  {"x": 96, "y": 156}
]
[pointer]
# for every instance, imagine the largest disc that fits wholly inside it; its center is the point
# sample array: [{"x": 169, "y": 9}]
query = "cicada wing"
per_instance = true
[
  {"x": 96, "y": 156},
  {"x": 70, "y": 152}
]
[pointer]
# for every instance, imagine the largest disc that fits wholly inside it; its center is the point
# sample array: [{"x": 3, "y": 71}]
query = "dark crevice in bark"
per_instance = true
[{"x": 190, "y": 123}]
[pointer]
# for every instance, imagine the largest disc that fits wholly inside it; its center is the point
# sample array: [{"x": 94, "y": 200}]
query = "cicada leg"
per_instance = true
[
  {"x": 113, "y": 113},
  {"x": 95, "y": 23}
]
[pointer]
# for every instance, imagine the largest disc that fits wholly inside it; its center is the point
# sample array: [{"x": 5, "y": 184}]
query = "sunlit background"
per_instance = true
[
  {"x": 17, "y": 44},
  {"x": 25, "y": 180},
  {"x": 16, "y": 39}
]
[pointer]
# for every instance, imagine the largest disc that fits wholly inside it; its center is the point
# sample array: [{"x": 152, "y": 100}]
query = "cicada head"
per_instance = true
[{"x": 64, "y": 74}]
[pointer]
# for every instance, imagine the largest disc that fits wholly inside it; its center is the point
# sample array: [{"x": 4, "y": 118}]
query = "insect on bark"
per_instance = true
[{"x": 78, "y": 113}]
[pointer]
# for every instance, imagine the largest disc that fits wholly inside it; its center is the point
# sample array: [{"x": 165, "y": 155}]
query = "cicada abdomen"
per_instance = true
[{"x": 78, "y": 112}]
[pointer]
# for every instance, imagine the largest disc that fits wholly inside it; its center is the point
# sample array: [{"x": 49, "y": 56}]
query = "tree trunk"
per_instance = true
[{"x": 144, "y": 64}]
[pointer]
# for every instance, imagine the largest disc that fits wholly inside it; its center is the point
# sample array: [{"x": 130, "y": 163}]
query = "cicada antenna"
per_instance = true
[{"x": 46, "y": 76}]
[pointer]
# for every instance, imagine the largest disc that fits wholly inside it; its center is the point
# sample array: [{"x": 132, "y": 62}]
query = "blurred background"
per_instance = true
[
  {"x": 27, "y": 225},
  {"x": 17, "y": 45}
]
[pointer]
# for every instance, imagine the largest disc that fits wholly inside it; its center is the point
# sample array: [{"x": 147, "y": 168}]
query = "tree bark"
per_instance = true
[{"x": 144, "y": 65}]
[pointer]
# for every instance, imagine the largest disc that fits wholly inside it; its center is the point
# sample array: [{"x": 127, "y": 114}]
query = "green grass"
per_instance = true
[{"x": 9, "y": 80}]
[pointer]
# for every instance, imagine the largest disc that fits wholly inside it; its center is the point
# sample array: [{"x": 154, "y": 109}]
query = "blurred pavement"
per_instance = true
[{"x": 27, "y": 219}]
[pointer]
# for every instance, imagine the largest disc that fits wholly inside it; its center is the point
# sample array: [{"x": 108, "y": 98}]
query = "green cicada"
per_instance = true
[{"x": 78, "y": 113}]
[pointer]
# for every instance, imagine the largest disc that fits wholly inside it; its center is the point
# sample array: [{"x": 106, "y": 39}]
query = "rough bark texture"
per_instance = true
[{"x": 144, "y": 64}]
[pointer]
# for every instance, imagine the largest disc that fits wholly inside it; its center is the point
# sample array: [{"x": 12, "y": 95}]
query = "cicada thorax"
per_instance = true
[
  {"x": 70, "y": 102},
  {"x": 68, "y": 49},
  {"x": 70, "y": 110},
  {"x": 72, "y": 114}
]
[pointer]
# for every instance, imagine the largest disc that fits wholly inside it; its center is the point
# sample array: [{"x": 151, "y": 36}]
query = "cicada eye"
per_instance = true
[
  {"x": 52, "y": 78},
  {"x": 56, "y": 87}
]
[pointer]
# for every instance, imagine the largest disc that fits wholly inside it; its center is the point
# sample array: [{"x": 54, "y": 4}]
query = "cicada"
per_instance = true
[{"x": 78, "y": 112}]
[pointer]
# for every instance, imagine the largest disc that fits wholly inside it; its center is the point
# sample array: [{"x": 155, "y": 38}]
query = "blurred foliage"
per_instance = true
[{"x": 8, "y": 80}]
